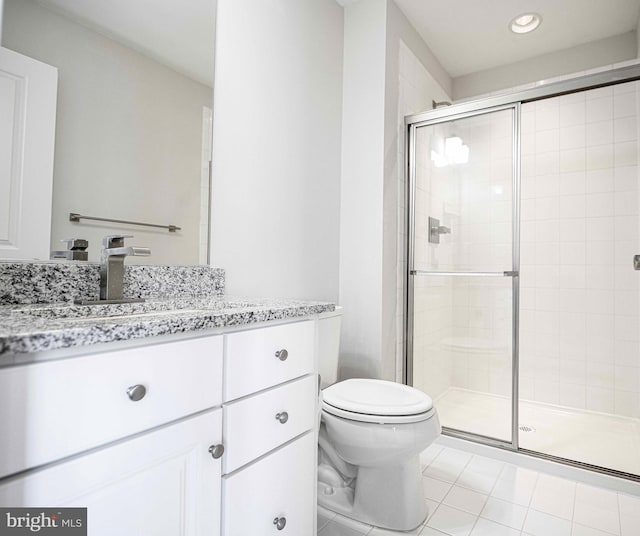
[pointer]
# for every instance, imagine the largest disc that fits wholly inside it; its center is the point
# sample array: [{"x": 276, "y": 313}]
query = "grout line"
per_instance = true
[{"x": 619, "y": 514}]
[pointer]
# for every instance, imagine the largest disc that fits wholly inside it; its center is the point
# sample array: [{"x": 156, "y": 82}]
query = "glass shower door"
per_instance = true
[{"x": 464, "y": 270}]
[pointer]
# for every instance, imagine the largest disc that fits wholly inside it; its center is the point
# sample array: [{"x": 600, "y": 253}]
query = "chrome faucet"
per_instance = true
[
  {"x": 76, "y": 250},
  {"x": 112, "y": 266}
]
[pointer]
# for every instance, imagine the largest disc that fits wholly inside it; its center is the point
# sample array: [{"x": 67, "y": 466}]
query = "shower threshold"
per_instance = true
[{"x": 598, "y": 439}]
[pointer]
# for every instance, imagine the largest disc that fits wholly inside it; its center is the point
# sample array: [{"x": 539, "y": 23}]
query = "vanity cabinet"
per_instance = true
[{"x": 204, "y": 436}]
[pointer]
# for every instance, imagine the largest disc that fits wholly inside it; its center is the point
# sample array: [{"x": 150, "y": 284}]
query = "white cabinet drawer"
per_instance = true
[
  {"x": 52, "y": 409},
  {"x": 251, "y": 363},
  {"x": 255, "y": 425},
  {"x": 280, "y": 485}
]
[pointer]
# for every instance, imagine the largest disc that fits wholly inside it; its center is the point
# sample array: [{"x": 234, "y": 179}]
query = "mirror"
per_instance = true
[{"x": 133, "y": 125}]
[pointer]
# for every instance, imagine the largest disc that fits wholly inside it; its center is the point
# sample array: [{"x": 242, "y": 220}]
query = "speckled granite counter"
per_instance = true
[
  {"x": 37, "y": 312},
  {"x": 37, "y": 328}
]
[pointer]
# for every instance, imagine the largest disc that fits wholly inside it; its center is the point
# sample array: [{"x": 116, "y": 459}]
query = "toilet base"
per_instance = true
[{"x": 390, "y": 497}]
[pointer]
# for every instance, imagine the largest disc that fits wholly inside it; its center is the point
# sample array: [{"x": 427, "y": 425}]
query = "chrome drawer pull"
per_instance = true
[
  {"x": 282, "y": 354},
  {"x": 280, "y": 522},
  {"x": 136, "y": 392},
  {"x": 216, "y": 451},
  {"x": 283, "y": 417}
]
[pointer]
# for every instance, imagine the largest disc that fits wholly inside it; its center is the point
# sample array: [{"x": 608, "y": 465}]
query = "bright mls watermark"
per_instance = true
[{"x": 43, "y": 521}]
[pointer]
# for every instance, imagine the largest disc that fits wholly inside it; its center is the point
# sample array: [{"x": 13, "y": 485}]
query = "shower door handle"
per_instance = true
[{"x": 636, "y": 262}]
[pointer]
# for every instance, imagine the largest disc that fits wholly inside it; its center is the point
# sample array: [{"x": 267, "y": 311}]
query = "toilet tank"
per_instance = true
[{"x": 328, "y": 341}]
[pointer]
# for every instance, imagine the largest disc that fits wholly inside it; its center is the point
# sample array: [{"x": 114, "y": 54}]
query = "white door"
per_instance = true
[
  {"x": 28, "y": 90},
  {"x": 164, "y": 483}
]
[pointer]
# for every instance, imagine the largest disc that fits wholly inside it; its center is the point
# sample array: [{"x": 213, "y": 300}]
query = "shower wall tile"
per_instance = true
[{"x": 580, "y": 305}]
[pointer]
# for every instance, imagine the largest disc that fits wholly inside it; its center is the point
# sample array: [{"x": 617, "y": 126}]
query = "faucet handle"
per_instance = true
[
  {"x": 76, "y": 244},
  {"x": 139, "y": 251},
  {"x": 114, "y": 240}
]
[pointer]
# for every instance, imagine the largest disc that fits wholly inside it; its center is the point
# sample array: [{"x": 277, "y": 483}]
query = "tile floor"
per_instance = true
[{"x": 471, "y": 495}]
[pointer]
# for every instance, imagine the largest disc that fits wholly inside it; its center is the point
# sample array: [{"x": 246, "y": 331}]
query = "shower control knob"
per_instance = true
[
  {"x": 283, "y": 417},
  {"x": 280, "y": 522},
  {"x": 216, "y": 451},
  {"x": 136, "y": 392},
  {"x": 282, "y": 354}
]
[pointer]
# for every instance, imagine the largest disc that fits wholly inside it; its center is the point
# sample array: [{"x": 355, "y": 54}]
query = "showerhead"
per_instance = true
[{"x": 435, "y": 104}]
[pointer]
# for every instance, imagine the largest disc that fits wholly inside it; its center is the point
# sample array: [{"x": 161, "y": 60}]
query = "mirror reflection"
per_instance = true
[{"x": 133, "y": 117}]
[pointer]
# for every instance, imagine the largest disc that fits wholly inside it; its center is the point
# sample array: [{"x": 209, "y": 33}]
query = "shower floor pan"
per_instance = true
[{"x": 601, "y": 439}]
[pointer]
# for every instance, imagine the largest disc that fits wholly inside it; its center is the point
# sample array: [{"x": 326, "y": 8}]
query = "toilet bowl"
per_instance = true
[{"x": 370, "y": 438}]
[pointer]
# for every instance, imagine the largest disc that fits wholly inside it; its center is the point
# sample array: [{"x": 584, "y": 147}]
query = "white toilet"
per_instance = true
[{"x": 371, "y": 435}]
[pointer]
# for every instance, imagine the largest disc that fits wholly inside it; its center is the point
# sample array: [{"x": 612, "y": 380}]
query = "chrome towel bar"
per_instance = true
[{"x": 77, "y": 217}]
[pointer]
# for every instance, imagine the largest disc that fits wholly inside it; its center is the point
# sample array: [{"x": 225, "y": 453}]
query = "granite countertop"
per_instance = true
[{"x": 30, "y": 328}]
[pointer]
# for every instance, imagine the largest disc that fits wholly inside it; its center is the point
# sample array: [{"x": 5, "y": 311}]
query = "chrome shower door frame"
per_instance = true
[
  {"x": 412, "y": 127},
  {"x": 469, "y": 109}
]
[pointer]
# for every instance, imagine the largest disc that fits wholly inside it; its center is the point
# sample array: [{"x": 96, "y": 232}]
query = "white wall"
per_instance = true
[
  {"x": 371, "y": 222},
  {"x": 128, "y": 136},
  {"x": 277, "y": 124},
  {"x": 362, "y": 188},
  {"x": 607, "y": 51}
]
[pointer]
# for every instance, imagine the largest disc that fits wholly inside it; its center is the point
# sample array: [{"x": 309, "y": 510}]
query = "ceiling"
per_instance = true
[
  {"x": 472, "y": 35},
  {"x": 177, "y": 34},
  {"x": 465, "y": 35}
]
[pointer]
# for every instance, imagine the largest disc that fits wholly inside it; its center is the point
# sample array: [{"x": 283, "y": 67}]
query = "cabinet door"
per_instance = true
[
  {"x": 163, "y": 483},
  {"x": 278, "y": 486}
]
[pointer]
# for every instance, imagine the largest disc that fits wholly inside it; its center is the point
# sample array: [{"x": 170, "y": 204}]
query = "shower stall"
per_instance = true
[{"x": 523, "y": 295}]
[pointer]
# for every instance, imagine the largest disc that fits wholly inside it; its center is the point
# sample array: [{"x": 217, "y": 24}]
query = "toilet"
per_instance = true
[{"x": 370, "y": 438}]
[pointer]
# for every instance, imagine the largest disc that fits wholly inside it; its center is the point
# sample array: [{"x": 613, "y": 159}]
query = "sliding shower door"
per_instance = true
[{"x": 463, "y": 269}]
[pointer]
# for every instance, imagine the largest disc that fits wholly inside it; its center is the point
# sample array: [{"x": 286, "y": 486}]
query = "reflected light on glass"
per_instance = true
[{"x": 453, "y": 152}]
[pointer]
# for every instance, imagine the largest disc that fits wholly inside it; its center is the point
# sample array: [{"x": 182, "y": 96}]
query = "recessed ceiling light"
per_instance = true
[{"x": 525, "y": 23}]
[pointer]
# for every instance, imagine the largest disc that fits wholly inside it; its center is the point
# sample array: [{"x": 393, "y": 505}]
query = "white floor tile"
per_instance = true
[
  {"x": 448, "y": 465},
  {"x": 597, "y": 518},
  {"x": 592, "y": 496},
  {"x": 581, "y": 530},
  {"x": 484, "y": 527},
  {"x": 504, "y": 512},
  {"x": 479, "y": 482},
  {"x": 435, "y": 489},
  {"x": 429, "y": 454},
  {"x": 465, "y": 499},
  {"x": 452, "y": 521},
  {"x": 335, "y": 528},
  {"x": 324, "y": 516},
  {"x": 629, "y": 525},
  {"x": 383, "y": 532},
  {"x": 485, "y": 466},
  {"x": 431, "y": 506},
  {"x": 597, "y": 508},
  {"x": 515, "y": 485},
  {"x": 428, "y": 531},
  {"x": 541, "y": 524},
  {"x": 554, "y": 496},
  {"x": 348, "y": 524}
]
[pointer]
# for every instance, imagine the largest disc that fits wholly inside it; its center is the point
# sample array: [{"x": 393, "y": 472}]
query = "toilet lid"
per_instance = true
[{"x": 376, "y": 397}]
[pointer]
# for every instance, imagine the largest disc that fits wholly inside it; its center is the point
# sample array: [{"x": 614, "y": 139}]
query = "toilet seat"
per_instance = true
[{"x": 377, "y": 401}]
